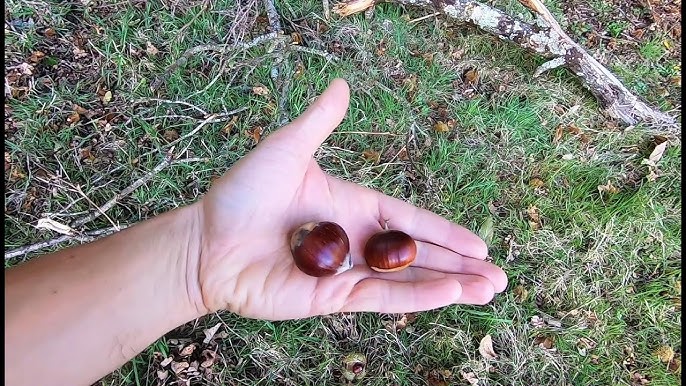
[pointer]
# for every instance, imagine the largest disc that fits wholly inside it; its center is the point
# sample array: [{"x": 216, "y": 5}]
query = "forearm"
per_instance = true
[{"x": 100, "y": 304}]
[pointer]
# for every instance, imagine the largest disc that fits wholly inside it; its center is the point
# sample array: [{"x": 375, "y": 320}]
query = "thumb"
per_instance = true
[{"x": 307, "y": 132}]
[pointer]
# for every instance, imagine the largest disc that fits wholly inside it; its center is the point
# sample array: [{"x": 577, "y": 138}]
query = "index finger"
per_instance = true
[{"x": 427, "y": 226}]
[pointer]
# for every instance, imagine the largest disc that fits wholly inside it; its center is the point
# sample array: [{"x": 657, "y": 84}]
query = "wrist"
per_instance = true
[{"x": 188, "y": 222}]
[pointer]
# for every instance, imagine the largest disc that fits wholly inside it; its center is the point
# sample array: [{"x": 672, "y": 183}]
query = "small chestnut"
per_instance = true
[
  {"x": 321, "y": 249},
  {"x": 390, "y": 251}
]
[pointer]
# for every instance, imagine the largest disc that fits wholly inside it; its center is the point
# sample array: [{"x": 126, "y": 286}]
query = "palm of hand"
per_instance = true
[{"x": 246, "y": 264}]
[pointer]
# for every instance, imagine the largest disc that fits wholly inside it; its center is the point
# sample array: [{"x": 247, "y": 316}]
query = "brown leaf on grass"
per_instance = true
[
  {"x": 49, "y": 32},
  {"x": 520, "y": 294},
  {"x": 188, "y": 350},
  {"x": 638, "y": 379},
  {"x": 665, "y": 353},
  {"x": 80, "y": 110},
  {"x": 471, "y": 76},
  {"x": 37, "y": 56},
  {"x": 486, "y": 347},
  {"x": 260, "y": 90},
  {"x": 381, "y": 48},
  {"x": 438, "y": 377},
  {"x": 545, "y": 342},
  {"x": 573, "y": 129},
  {"x": 441, "y": 127},
  {"x": 73, "y": 118},
  {"x": 585, "y": 344},
  {"x": 230, "y": 125},
  {"x": 255, "y": 133},
  {"x": 8, "y": 161},
  {"x": 209, "y": 333},
  {"x": 150, "y": 49},
  {"x": 299, "y": 70},
  {"x": 675, "y": 366},
  {"x": 171, "y": 135},
  {"x": 372, "y": 155},
  {"x": 536, "y": 182},
  {"x": 470, "y": 377},
  {"x": 559, "y": 132},
  {"x": 179, "y": 367},
  {"x": 608, "y": 188},
  {"x": 534, "y": 217},
  {"x": 296, "y": 38},
  {"x": 86, "y": 154},
  {"x": 209, "y": 358}
]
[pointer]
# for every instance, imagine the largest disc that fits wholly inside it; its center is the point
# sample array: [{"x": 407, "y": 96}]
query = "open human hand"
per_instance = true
[{"x": 248, "y": 215}]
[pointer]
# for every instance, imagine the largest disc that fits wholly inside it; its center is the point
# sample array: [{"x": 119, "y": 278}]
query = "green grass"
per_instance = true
[{"x": 603, "y": 267}]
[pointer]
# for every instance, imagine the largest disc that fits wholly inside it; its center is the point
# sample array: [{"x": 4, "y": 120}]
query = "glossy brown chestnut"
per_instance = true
[
  {"x": 321, "y": 249},
  {"x": 390, "y": 251}
]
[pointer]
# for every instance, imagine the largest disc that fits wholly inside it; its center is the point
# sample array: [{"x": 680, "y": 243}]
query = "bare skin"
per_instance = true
[{"x": 100, "y": 304}]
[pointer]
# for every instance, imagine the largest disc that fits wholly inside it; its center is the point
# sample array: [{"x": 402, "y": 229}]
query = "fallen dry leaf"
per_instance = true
[
  {"x": 471, "y": 76},
  {"x": 470, "y": 377},
  {"x": 171, "y": 135},
  {"x": 46, "y": 223},
  {"x": 188, "y": 350},
  {"x": 107, "y": 97},
  {"x": 260, "y": 90},
  {"x": 372, "y": 155},
  {"x": 49, "y": 32},
  {"x": 255, "y": 134},
  {"x": 675, "y": 366},
  {"x": 486, "y": 348},
  {"x": 573, "y": 129},
  {"x": 166, "y": 361},
  {"x": 536, "y": 182},
  {"x": 608, "y": 188},
  {"x": 638, "y": 379},
  {"x": 296, "y": 38},
  {"x": 150, "y": 49},
  {"x": 178, "y": 367},
  {"x": 534, "y": 217},
  {"x": 520, "y": 294},
  {"x": 73, "y": 118},
  {"x": 441, "y": 127},
  {"x": 209, "y": 358},
  {"x": 437, "y": 378},
  {"x": 537, "y": 321},
  {"x": 230, "y": 125},
  {"x": 568, "y": 157},
  {"x": 544, "y": 342},
  {"x": 162, "y": 374},
  {"x": 665, "y": 354},
  {"x": 37, "y": 56},
  {"x": 559, "y": 131},
  {"x": 209, "y": 333},
  {"x": 657, "y": 153}
]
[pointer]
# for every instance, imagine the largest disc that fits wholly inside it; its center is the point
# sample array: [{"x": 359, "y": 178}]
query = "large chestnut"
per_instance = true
[
  {"x": 321, "y": 249},
  {"x": 390, "y": 251}
]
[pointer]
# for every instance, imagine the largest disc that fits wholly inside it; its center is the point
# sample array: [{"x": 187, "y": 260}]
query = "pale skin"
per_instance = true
[{"x": 73, "y": 316}]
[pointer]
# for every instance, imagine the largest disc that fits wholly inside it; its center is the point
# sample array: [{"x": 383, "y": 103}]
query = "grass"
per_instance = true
[{"x": 602, "y": 270}]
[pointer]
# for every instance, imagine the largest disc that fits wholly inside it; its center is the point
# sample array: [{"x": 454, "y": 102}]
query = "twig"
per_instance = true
[
  {"x": 314, "y": 51},
  {"x": 423, "y": 17},
  {"x": 177, "y": 102},
  {"x": 87, "y": 236},
  {"x": 220, "y": 48},
  {"x": 128, "y": 190},
  {"x": 327, "y": 12}
]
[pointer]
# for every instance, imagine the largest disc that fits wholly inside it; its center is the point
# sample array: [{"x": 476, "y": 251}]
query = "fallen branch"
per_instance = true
[
  {"x": 85, "y": 237},
  {"x": 89, "y": 236},
  {"x": 220, "y": 48},
  {"x": 547, "y": 39}
]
